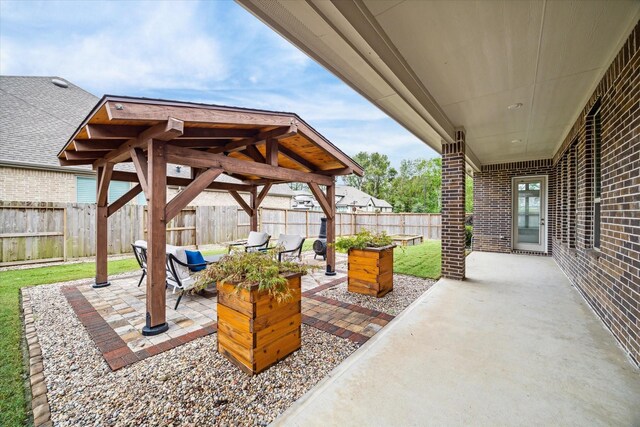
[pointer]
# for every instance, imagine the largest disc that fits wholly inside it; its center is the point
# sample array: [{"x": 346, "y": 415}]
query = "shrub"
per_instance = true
[
  {"x": 364, "y": 239},
  {"x": 468, "y": 235},
  {"x": 245, "y": 269}
]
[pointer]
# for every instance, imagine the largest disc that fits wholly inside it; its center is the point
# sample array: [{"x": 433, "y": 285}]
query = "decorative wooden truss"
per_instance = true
[{"x": 257, "y": 147}]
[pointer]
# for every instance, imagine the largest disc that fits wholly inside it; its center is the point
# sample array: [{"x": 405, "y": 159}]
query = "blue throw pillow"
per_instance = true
[{"x": 195, "y": 257}]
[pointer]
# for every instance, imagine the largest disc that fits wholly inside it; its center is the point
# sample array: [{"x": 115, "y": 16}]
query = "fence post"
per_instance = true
[
  {"x": 286, "y": 221},
  {"x": 353, "y": 223},
  {"x": 306, "y": 223},
  {"x": 64, "y": 234}
]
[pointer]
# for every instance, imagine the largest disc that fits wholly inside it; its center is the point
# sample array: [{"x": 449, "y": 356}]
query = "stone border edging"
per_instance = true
[{"x": 39, "y": 401}]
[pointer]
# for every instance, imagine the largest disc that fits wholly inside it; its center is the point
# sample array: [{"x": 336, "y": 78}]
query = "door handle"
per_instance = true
[{"x": 541, "y": 221}]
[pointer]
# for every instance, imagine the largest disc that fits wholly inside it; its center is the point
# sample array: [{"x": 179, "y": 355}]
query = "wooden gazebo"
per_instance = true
[{"x": 259, "y": 148}]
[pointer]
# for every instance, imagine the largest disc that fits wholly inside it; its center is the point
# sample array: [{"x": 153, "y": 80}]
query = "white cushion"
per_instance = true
[
  {"x": 181, "y": 255},
  {"x": 257, "y": 238},
  {"x": 289, "y": 241},
  {"x": 187, "y": 283},
  {"x": 141, "y": 243}
]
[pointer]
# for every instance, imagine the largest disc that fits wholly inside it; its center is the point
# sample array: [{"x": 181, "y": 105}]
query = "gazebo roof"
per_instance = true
[{"x": 237, "y": 133}]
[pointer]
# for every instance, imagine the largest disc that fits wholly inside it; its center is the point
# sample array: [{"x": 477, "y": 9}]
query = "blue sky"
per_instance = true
[{"x": 212, "y": 52}]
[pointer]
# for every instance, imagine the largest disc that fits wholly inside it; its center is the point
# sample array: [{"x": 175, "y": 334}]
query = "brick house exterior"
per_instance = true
[{"x": 609, "y": 276}]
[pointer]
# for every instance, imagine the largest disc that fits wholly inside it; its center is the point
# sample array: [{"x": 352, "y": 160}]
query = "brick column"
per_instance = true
[{"x": 453, "y": 215}]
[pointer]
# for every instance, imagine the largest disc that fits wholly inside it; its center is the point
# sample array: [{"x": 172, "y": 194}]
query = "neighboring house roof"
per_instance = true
[
  {"x": 351, "y": 196},
  {"x": 58, "y": 111}
]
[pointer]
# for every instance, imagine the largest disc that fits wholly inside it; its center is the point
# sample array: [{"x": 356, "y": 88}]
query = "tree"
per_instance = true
[
  {"x": 417, "y": 186},
  {"x": 298, "y": 186},
  {"x": 378, "y": 174}
]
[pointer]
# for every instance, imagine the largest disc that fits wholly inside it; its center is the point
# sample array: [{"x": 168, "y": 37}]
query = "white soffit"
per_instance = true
[{"x": 436, "y": 65}]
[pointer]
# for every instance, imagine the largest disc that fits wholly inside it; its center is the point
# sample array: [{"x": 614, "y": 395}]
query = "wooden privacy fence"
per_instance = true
[{"x": 44, "y": 232}]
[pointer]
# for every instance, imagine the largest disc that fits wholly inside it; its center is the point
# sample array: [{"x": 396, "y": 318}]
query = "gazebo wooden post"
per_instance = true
[
  {"x": 156, "y": 240},
  {"x": 331, "y": 230},
  {"x": 103, "y": 178},
  {"x": 253, "y": 203}
]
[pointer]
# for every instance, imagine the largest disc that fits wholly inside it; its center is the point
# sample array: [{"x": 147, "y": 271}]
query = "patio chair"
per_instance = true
[
  {"x": 257, "y": 240},
  {"x": 140, "y": 252},
  {"x": 180, "y": 271},
  {"x": 290, "y": 247}
]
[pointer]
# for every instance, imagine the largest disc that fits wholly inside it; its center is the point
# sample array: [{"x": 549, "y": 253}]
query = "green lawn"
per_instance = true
[
  {"x": 420, "y": 260},
  {"x": 12, "y": 402}
]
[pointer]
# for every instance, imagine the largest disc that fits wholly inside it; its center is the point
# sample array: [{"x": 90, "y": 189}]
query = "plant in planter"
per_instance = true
[
  {"x": 370, "y": 269},
  {"x": 259, "y": 309}
]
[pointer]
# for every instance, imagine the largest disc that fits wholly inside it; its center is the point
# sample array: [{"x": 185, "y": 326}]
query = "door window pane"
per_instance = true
[{"x": 529, "y": 213}]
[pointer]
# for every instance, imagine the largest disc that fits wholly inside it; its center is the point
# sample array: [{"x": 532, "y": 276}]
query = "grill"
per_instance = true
[{"x": 320, "y": 245}]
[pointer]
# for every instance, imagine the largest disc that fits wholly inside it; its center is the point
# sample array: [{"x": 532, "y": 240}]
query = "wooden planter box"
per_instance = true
[
  {"x": 255, "y": 331},
  {"x": 371, "y": 271}
]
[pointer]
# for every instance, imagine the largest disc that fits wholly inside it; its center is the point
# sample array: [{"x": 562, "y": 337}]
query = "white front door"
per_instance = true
[{"x": 529, "y": 213}]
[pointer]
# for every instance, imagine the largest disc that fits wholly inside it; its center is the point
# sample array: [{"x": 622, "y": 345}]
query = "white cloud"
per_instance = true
[{"x": 164, "y": 47}]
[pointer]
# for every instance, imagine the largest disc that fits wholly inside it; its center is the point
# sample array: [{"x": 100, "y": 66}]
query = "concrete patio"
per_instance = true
[{"x": 514, "y": 344}]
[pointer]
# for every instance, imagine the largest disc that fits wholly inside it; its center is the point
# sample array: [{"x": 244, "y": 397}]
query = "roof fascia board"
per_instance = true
[{"x": 52, "y": 168}]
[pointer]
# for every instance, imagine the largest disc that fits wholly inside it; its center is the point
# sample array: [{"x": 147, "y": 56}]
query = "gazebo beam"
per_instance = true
[
  {"x": 195, "y": 158},
  {"x": 336, "y": 172},
  {"x": 185, "y": 197},
  {"x": 322, "y": 199},
  {"x": 97, "y": 144},
  {"x": 102, "y": 212},
  {"x": 271, "y": 154},
  {"x": 263, "y": 193},
  {"x": 252, "y": 152},
  {"x": 277, "y": 133},
  {"x": 238, "y": 198},
  {"x": 253, "y": 201},
  {"x": 301, "y": 161},
  {"x": 328, "y": 204},
  {"x": 156, "y": 240},
  {"x": 182, "y": 182},
  {"x": 142, "y": 168},
  {"x": 331, "y": 231},
  {"x": 123, "y": 200},
  {"x": 120, "y": 132},
  {"x": 164, "y": 131},
  {"x": 96, "y": 131},
  {"x": 123, "y": 109},
  {"x": 88, "y": 155}
]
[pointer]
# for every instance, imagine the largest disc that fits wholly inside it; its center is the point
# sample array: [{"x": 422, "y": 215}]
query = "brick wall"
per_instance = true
[
  {"x": 492, "y": 199},
  {"x": 608, "y": 278},
  {"x": 33, "y": 185},
  {"x": 453, "y": 208},
  {"x": 223, "y": 198}
]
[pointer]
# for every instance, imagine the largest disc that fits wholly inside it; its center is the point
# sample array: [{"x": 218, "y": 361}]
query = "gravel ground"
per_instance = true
[
  {"x": 406, "y": 289},
  {"x": 189, "y": 385}
]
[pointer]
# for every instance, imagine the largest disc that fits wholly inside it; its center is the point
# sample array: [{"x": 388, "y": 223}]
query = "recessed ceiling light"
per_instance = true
[
  {"x": 516, "y": 141},
  {"x": 515, "y": 106}
]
